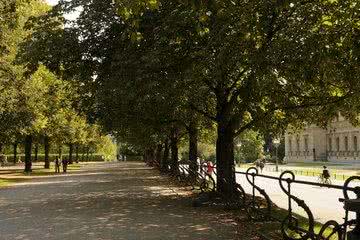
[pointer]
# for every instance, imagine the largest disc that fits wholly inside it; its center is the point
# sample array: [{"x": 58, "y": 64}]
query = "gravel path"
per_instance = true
[{"x": 107, "y": 201}]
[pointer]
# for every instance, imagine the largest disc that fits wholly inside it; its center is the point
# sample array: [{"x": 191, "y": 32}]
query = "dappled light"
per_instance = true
[{"x": 136, "y": 204}]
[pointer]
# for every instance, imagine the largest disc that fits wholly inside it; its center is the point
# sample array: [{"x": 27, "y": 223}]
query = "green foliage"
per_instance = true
[
  {"x": 154, "y": 70},
  {"x": 106, "y": 147},
  {"x": 249, "y": 147},
  {"x": 207, "y": 151},
  {"x": 40, "y": 96}
]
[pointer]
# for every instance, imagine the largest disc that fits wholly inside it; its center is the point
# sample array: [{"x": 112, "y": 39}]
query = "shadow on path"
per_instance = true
[{"x": 107, "y": 201}]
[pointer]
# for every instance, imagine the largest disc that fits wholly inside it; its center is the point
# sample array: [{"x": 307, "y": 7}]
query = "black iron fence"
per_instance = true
[{"x": 259, "y": 206}]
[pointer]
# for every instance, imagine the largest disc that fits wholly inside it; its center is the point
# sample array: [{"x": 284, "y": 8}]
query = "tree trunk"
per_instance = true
[
  {"x": 47, "y": 151},
  {"x": 1, "y": 153},
  {"x": 83, "y": 153},
  {"x": 193, "y": 149},
  {"x": 174, "y": 140},
  {"x": 150, "y": 156},
  {"x": 87, "y": 153},
  {"x": 165, "y": 158},
  {"x": 77, "y": 153},
  {"x": 225, "y": 159},
  {"x": 158, "y": 154},
  {"x": 28, "y": 145},
  {"x": 60, "y": 152},
  {"x": 15, "y": 145},
  {"x": 36, "y": 151},
  {"x": 71, "y": 146}
]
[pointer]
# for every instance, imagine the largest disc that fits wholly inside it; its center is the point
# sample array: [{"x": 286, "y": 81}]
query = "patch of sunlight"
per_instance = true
[
  {"x": 43, "y": 183},
  {"x": 201, "y": 228},
  {"x": 161, "y": 191}
]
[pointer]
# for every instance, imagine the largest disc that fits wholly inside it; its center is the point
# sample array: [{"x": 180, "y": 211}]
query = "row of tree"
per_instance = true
[
  {"x": 37, "y": 105},
  {"x": 155, "y": 71}
]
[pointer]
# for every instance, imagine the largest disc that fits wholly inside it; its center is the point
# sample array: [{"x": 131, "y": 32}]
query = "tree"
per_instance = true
[
  {"x": 249, "y": 147},
  {"x": 263, "y": 64},
  {"x": 256, "y": 65}
]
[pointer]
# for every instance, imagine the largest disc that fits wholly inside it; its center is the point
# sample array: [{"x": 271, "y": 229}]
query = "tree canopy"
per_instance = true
[{"x": 155, "y": 71}]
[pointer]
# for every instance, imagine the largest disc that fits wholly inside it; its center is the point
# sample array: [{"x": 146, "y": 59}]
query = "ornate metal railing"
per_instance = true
[
  {"x": 259, "y": 206},
  {"x": 291, "y": 229},
  {"x": 199, "y": 179}
]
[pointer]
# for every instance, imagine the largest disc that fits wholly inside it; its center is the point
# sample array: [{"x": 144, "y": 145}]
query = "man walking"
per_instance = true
[
  {"x": 57, "y": 165},
  {"x": 64, "y": 163}
]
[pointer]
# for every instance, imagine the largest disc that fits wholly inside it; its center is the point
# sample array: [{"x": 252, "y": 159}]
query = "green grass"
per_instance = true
[
  {"x": 51, "y": 171},
  {"x": 314, "y": 164},
  {"x": 9, "y": 182},
  {"x": 301, "y": 170},
  {"x": 17, "y": 174}
]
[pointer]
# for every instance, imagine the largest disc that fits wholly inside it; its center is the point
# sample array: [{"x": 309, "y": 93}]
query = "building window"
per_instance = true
[
  {"x": 355, "y": 143},
  {"x": 306, "y": 144},
  {"x": 337, "y": 144},
  {"x": 290, "y": 145},
  {"x": 330, "y": 144},
  {"x": 346, "y": 143}
]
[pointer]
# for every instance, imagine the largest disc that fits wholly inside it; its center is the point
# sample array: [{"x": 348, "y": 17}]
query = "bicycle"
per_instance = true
[{"x": 324, "y": 180}]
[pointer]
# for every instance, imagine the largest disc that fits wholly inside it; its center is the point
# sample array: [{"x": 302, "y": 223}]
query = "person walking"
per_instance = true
[
  {"x": 325, "y": 173},
  {"x": 210, "y": 168},
  {"x": 262, "y": 165},
  {"x": 57, "y": 164},
  {"x": 64, "y": 163}
]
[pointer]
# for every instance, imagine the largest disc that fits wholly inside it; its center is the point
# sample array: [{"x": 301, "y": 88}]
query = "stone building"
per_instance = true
[{"x": 338, "y": 143}]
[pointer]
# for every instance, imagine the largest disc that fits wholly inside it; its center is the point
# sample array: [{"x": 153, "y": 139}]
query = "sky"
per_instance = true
[
  {"x": 71, "y": 16},
  {"x": 52, "y": 2}
]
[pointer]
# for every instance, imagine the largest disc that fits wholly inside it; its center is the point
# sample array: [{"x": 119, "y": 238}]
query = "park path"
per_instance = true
[
  {"x": 108, "y": 201},
  {"x": 324, "y": 202}
]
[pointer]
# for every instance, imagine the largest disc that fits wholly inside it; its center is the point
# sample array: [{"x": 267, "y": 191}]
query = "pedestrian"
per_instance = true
[
  {"x": 210, "y": 168},
  {"x": 57, "y": 164},
  {"x": 257, "y": 164},
  {"x": 64, "y": 163},
  {"x": 262, "y": 165},
  {"x": 325, "y": 173}
]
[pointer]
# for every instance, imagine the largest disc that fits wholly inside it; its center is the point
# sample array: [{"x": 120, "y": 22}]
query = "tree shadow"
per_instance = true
[{"x": 128, "y": 201}]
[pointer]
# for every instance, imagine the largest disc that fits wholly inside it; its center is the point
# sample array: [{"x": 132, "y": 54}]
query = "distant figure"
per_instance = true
[
  {"x": 57, "y": 165},
  {"x": 210, "y": 168},
  {"x": 262, "y": 165},
  {"x": 326, "y": 173},
  {"x": 64, "y": 163},
  {"x": 257, "y": 163}
]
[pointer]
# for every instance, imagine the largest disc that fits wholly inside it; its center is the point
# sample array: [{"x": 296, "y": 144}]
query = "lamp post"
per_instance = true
[{"x": 276, "y": 143}]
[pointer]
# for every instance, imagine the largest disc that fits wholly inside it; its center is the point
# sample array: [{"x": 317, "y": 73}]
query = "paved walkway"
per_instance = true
[
  {"x": 323, "y": 202},
  {"x": 108, "y": 201}
]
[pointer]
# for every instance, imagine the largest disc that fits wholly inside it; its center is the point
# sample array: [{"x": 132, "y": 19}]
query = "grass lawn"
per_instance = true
[
  {"x": 51, "y": 171},
  {"x": 10, "y": 177},
  {"x": 338, "y": 171},
  {"x": 8, "y": 182},
  {"x": 315, "y": 164}
]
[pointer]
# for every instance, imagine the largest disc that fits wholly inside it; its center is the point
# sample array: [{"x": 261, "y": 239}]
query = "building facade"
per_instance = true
[{"x": 338, "y": 143}]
